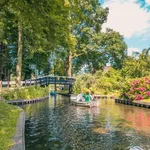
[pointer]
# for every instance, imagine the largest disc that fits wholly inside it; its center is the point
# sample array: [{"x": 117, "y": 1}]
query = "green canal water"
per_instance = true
[{"x": 57, "y": 125}]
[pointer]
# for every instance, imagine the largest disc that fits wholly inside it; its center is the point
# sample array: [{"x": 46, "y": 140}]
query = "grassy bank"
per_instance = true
[
  {"x": 25, "y": 93},
  {"x": 8, "y": 120}
]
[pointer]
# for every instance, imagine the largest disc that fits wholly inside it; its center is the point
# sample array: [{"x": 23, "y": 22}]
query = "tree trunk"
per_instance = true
[
  {"x": 70, "y": 64},
  {"x": 19, "y": 56},
  {"x": 1, "y": 62}
]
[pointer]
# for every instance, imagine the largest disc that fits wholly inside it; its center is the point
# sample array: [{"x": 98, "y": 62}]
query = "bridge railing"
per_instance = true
[{"x": 46, "y": 80}]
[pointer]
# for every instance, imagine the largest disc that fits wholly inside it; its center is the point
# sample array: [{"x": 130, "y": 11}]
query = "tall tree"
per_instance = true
[
  {"x": 19, "y": 55},
  {"x": 114, "y": 47},
  {"x": 87, "y": 18},
  {"x": 111, "y": 48}
]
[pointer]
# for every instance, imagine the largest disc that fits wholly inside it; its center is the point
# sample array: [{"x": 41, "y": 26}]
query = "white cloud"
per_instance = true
[
  {"x": 147, "y": 1},
  {"x": 126, "y": 17},
  {"x": 132, "y": 49}
]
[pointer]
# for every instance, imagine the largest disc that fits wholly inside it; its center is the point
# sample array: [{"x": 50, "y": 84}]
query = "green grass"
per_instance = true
[{"x": 8, "y": 120}]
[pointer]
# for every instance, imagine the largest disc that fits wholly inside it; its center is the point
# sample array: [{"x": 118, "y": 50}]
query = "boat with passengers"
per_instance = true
[{"x": 76, "y": 101}]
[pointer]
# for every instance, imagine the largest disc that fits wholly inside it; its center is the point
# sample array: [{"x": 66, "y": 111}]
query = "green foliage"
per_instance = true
[
  {"x": 63, "y": 27},
  {"x": 44, "y": 30},
  {"x": 66, "y": 28},
  {"x": 8, "y": 120},
  {"x": 137, "y": 67},
  {"x": 109, "y": 82},
  {"x": 110, "y": 48},
  {"x": 114, "y": 47},
  {"x": 118, "y": 82},
  {"x": 86, "y": 19},
  {"x": 26, "y": 93}
]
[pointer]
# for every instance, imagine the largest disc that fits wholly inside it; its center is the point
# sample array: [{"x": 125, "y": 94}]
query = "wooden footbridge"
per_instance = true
[{"x": 42, "y": 81}]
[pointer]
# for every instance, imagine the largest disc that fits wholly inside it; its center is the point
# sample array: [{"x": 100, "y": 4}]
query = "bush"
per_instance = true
[
  {"x": 138, "y": 89},
  {"x": 114, "y": 83},
  {"x": 105, "y": 83},
  {"x": 26, "y": 93}
]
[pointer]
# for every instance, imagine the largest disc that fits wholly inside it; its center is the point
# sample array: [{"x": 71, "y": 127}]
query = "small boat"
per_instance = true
[
  {"x": 82, "y": 103},
  {"x": 73, "y": 97}
]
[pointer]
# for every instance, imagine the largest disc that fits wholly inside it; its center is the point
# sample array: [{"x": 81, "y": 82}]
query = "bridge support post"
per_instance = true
[
  {"x": 36, "y": 82},
  {"x": 55, "y": 87},
  {"x": 55, "y": 84},
  {"x": 1, "y": 85},
  {"x": 70, "y": 89}
]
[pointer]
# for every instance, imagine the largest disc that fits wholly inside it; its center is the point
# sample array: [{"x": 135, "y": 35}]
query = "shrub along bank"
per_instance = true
[
  {"x": 8, "y": 120},
  {"x": 104, "y": 83},
  {"x": 138, "y": 89},
  {"x": 114, "y": 83},
  {"x": 25, "y": 93}
]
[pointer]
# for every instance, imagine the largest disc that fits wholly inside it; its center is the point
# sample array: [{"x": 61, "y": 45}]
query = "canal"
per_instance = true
[{"x": 55, "y": 124}]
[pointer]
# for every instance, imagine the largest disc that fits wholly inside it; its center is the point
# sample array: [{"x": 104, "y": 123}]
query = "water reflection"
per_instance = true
[
  {"x": 56, "y": 124},
  {"x": 133, "y": 117}
]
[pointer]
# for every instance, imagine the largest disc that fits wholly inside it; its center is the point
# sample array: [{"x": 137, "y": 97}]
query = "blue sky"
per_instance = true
[{"x": 132, "y": 19}]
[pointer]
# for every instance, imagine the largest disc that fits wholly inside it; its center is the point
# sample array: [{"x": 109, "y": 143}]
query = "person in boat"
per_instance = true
[
  {"x": 92, "y": 96},
  {"x": 87, "y": 97},
  {"x": 80, "y": 97},
  {"x": 93, "y": 102}
]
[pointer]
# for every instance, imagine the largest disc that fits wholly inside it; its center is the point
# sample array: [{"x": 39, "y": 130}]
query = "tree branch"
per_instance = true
[
  {"x": 3, "y": 55},
  {"x": 77, "y": 55}
]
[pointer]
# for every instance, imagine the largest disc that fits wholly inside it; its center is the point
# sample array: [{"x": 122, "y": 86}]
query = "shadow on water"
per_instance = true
[{"x": 57, "y": 125}]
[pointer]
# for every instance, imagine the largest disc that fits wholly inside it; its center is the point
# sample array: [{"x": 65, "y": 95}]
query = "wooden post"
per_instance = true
[
  {"x": 36, "y": 82},
  {"x": 8, "y": 84},
  {"x": 40, "y": 81},
  {"x": 25, "y": 83},
  {"x": 1, "y": 84},
  {"x": 46, "y": 81},
  {"x": 69, "y": 89}
]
